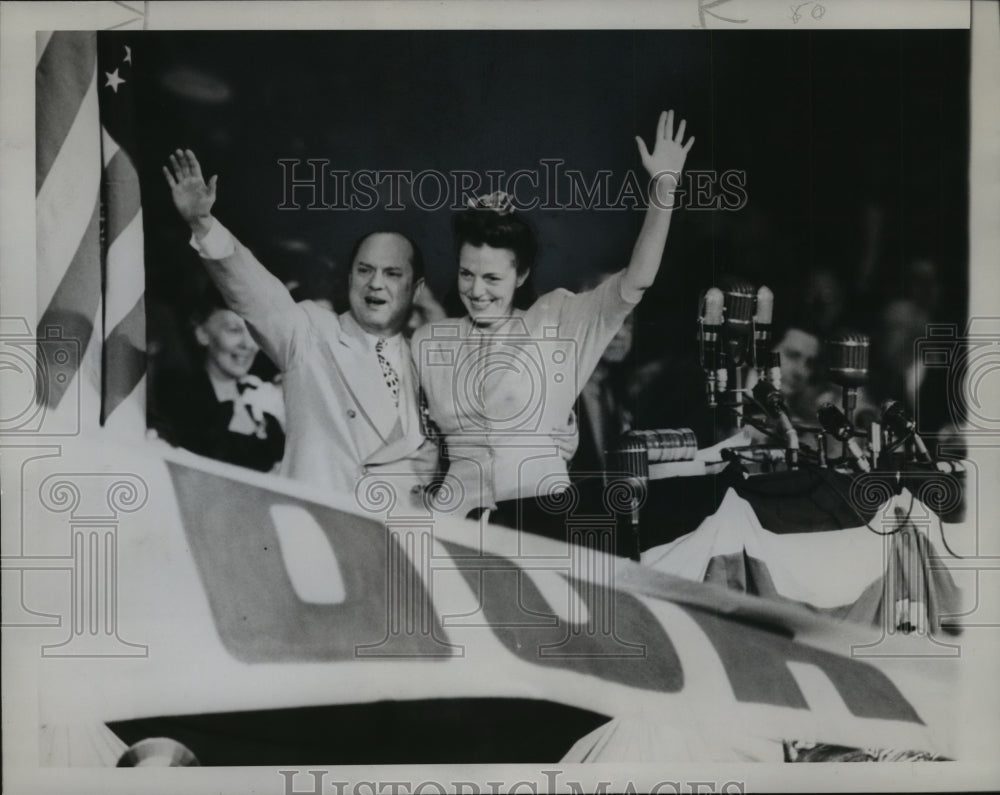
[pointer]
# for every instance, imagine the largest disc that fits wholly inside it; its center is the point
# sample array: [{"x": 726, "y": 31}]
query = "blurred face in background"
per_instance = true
[
  {"x": 799, "y": 359},
  {"x": 824, "y": 299},
  {"x": 620, "y": 345},
  {"x": 229, "y": 348}
]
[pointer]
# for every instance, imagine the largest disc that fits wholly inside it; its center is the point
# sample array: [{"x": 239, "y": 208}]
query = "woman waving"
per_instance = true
[{"x": 501, "y": 381}]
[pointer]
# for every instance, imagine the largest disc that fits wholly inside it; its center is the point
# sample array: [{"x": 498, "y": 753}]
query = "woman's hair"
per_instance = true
[
  {"x": 208, "y": 301},
  {"x": 485, "y": 224}
]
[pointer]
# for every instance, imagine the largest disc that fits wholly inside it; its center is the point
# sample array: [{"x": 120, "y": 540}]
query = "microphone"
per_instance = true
[
  {"x": 710, "y": 324},
  {"x": 714, "y": 304},
  {"x": 848, "y": 361},
  {"x": 762, "y": 326},
  {"x": 836, "y": 424},
  {"x": 897, "y": 419},
  {"x": 848, "y": 367},
  {"x": 739, "y": 299},
  {"x": 774, "y": 402}
]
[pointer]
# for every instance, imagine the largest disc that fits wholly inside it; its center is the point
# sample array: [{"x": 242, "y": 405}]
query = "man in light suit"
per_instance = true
[{"x": 350, "y": 382}]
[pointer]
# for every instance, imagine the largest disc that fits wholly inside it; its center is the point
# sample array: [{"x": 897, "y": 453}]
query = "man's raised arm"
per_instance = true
[{"x": 248, "y": 287}]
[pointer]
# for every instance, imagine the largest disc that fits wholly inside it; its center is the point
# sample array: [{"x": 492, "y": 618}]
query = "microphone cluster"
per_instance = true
[
  {"x": 848, "y": 356},
  {"x": 734, "y": 331},
  {"x": 893, "y": 427},
  {"x": 734, "y": 335},
  {"x": 848, "y": 367}
]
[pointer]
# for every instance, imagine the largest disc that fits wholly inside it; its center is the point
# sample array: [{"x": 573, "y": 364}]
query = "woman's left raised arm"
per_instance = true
[{"x": 664, "y": 165}]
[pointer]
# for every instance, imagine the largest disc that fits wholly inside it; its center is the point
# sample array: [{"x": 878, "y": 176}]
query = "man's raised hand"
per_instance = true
[{"x": 193, "y": 197}]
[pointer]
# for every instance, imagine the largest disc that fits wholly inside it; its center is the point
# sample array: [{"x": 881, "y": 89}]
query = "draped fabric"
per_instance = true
[
  {"x": 876, "y": 548},
  {"x": 236, "y": 591}
]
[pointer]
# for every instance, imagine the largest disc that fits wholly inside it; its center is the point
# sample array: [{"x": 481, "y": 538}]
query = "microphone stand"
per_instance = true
[
  {"x": 738, "y": 398},
  {"x": 850, "y": 403},
  {"x": 707, "y": 353},
  {"x": 735, "y": 358}
]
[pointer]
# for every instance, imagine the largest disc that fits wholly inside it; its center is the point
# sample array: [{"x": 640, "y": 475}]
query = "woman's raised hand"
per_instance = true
[
  {"x": 666, "y": 161},
  {"x": 664, "y": 165},
  {"x": 193, "y": 197}
]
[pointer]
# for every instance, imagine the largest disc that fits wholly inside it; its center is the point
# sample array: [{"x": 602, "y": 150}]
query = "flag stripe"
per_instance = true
[
  {"x": 122, "y": 285},
  {"x": 126, "y": 347},
  {"x": 63, "y": 77},
  {"x": 41, "y": 42},
  {"x": 109, "y": 146},
  {"x": 122, "y": 184},
  {"x": 67, "y": 198},
  {"x": 73, "y": 311}
]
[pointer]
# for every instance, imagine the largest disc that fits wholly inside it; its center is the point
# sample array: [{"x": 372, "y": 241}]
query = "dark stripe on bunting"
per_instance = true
[
  {"x": 71, "y": 313},
  {"x": 61, "y": 80},
  {"x": 122, "y": 188},
  {"x": 124, "y": 351},
  {"x": 126, "y": 348}
]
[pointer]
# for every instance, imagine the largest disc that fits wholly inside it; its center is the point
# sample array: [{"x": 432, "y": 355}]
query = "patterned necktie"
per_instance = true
[{"x": 388, "y": 371}]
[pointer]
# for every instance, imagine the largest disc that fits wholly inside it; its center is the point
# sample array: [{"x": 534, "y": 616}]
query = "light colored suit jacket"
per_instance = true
[{"x": 342, "y": 423}]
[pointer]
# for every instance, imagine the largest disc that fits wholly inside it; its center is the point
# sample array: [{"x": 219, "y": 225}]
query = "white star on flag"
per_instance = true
[{"x": 113, "y": 80}]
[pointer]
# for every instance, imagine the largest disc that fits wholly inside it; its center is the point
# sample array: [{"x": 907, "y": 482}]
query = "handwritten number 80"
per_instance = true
[{"x": 816, "y": 11}]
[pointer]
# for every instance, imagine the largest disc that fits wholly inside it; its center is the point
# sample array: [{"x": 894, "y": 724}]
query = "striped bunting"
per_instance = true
[
  {"x": 89, "y": 230},
  {"x": 67, "y": 188},
  {"x": 124, "y": 361}
]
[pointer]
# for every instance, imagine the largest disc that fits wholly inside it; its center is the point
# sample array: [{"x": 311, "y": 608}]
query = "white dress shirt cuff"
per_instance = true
[{"x": 218, "y": 242}]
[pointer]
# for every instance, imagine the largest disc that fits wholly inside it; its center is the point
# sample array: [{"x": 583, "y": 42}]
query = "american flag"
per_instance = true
[{"x": 91, "y": 278}]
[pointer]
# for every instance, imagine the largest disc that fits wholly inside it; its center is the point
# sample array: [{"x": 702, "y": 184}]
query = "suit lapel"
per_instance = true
[
  {"x": 369, "y": 380},
  {"x": 349, "y": 353}
]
